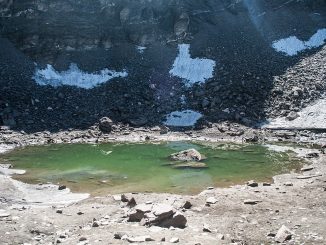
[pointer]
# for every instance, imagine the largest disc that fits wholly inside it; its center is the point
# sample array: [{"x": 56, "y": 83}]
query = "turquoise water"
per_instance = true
[{"x": 115, "y": 168}]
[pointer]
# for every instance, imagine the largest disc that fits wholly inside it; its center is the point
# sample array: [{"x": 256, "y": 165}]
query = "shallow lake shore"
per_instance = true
[{"x": 43, "y": 214}]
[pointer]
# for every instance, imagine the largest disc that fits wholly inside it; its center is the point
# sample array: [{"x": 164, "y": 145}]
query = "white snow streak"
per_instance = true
[{"x": 74, "y": 77}]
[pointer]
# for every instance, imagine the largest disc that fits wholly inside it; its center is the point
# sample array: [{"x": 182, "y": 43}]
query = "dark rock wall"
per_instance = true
[{"x": 237, "y": 34}]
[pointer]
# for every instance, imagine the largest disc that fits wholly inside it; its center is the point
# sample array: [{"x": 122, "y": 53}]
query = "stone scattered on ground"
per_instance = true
[
  {"x": 283, "y": 234},
  {"x": 158, "y": 215}
]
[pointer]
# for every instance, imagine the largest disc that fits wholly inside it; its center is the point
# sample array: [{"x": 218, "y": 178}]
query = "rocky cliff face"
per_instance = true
[{"x": 144, "y": 38}]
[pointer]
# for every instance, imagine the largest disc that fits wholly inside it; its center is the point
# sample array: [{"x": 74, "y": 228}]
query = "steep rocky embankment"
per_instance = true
[{"x": 227, "y": 60}]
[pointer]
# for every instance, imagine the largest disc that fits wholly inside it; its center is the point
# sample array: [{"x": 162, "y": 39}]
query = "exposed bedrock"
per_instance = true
[{"x": 225, "y": 59}]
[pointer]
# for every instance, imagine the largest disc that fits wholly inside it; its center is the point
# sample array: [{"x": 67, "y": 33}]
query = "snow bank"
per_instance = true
[
  {"x": 311, "y": 117},
  {"x": 74, "y": 77},
  {"x": 192, "y": 70},
  {"x": 184, "y": 118},
  {"x": 292, "y": 45}
]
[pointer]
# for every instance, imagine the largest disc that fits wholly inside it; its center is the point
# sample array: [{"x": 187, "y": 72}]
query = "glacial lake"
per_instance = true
[{"x": 124, "y": 167}]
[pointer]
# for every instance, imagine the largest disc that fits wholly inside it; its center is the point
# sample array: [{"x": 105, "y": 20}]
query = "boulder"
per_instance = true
[
  {"x": 105, "y": 125},
  {"x": 189, "y": 155},
  {"x": 292, "y": 116},
  {"x": 178, "y": 220}
]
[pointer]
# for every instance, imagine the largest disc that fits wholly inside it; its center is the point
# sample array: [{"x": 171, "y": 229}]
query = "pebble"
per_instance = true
[
  {"x": 251, "y": 202},
  {"x": 174, "y": 240},
  {"x": 206, "y": 228}
]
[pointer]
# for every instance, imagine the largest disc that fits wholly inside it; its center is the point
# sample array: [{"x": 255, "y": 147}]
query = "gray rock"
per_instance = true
[
  {"x": 139, "y": 239},
  {"x": 283, "y": 234},
  {"x": 163, "y": 211},
  {"x": 105, "y": 124},
  {"x": 187, "y": 156},
  {"x": 178, "y": 220},
  {"x": 119, "y": 235},
  {"x": 206, "y": 228},
  {"x": 211, "y": 200},
  {"x": 174, "y": 240},
  {"x": 307, "y": 168},
  {"x": 251, "y": 202},
  {"x": 252, "y": 183},
  {"x": 292, "y": 116},
  {"x": 187, "y": 205}
]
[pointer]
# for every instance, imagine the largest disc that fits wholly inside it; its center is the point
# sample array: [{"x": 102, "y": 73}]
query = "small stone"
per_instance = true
[
  {"x": 307, "y": 168},
  {"x": 132, "y": 203},
  {"x": 292, "y": 116},
  {"x": 174, "y": 240},
  {"x": 211, "y": 200},
  {"x": 80, "y": 213},
  {"x": 82, "y": 239},
  {"x": 59, "y": 211},
  {"x": 139, "y": 239},
  {"x": 283, "y": 234},
  {"x": 124, "y": 198},
  {"x": 288, "y": 184},
  {"x": 210, "y": 188},
  {"x": 95, "y": 224},
  {"x": 206, "y": 228},
  {"x": 252, "y": 183},
  {"x": 266, "y": 184},
  {"x": 163, "y": 239},
  {"x": 62, "y": 187},
  {"x": 187, "y": 205},
  {"x": 220, "y": 236},
  {"x": 119, "y": 235},
  {"x": 251, "y": 202},
  {"x": 4, "y": 215}
]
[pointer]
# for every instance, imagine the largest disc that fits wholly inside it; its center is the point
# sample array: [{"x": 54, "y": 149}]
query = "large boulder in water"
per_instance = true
[{"x": 190, "y": 155}]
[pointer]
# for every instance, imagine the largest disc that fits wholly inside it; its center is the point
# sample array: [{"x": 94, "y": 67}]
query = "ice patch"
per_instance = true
[
  {"x": 184, "y": 118},
  {"x": 74, "y": 77},
  {"x": 192, "y": 70},
  {"x": 311, "y": 117},
  {"x": 292, "y": 45}
]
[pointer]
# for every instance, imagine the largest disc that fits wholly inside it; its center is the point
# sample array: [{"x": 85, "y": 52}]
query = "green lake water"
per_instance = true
[{"x": 116, "y": 168}]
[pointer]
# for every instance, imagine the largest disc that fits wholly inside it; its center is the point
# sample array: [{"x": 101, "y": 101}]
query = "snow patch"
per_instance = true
[
  {"x": 192, "y": 70},
  {"x": 184, "y": 118},
  {"x": 292, "y": 45},
  {"x": 311, "y": 117},
  {"x": 74, "y": 77},
  {"x": 141, "y": 49}
]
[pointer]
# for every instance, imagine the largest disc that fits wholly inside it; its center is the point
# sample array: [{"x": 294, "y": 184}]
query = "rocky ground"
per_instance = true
[{"x": 290, "y": 210}]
